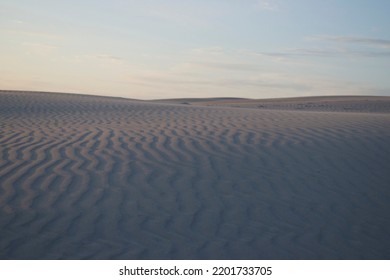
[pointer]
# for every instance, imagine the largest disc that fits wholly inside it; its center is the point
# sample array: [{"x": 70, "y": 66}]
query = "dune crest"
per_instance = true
[{"x": 368, "y": 104}]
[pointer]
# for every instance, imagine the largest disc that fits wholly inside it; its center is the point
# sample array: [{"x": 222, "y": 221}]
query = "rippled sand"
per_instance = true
[{"x": 85, "y": 177}]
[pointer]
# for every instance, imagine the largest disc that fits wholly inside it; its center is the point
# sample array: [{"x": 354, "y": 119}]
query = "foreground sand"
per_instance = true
[{"x": 85, "y": 177}]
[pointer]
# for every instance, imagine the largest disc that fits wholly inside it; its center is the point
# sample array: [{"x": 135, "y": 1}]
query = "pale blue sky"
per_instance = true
[{"x": 196, "y": 48}]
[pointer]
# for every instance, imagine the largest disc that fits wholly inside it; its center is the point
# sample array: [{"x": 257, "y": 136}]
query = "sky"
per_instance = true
[{"x": 154, "y": 49}]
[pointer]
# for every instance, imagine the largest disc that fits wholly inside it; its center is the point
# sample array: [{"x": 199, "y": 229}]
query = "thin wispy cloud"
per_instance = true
[
  {"x": 31, "y": 33},
  {"x": 228, "y": 66},
  {"x": 105, "y": 58},
  {"x": 219, "y": 61},
  {"x": 207, "y": 51},
  {"x": 267, "y": 5},
  {"x": 39, "y": 48},
  {"x": 372, "y": 42},
  {"x": 326, "y": 53},
  {"x": 108, "y": 57},
  {"x": 279, "y": 84},
  {"x": 28, "y": 29},
  {"x": 263, "y": 81},
  {"x": 17, "y": 21},
  {"x": 300, "y": 52},
  {"x": 340, "y": 46}
]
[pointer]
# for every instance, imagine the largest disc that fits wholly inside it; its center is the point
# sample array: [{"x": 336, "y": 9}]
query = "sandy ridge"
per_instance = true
[{"x": 372, "y": 104}]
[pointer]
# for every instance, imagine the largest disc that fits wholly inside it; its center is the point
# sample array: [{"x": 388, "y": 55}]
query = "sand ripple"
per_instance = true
[{"x": 85, "y": 177}]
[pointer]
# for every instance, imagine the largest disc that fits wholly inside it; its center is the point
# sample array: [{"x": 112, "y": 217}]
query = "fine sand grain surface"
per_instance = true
[{"x": 86, "y": 177}]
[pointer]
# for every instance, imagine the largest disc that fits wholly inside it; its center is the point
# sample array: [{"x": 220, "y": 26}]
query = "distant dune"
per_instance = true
[
  {"x": 374, "y": 104},
  {"x": 89, "y": 177}
]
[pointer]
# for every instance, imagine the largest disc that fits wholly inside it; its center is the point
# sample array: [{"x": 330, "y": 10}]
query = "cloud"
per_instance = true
[
  {"x": 24, "y": 31},
  {"x": 17, "y": 21},
  {"x": 207, "y": 51},
  {"x": 225, "y": 66},
  {"x": 372, "y": 42},
  {"x": 107, "y": 58},
  {"x": 301, "y": 52},
  {"x": 267, "y": 5},
  {"x": 249, "y": 83},
  {"x": 259, "y": 85},
  {"x": 111, "y": 58},
  {"x": 231, "y": 72},
  {"x": 215, "y": 59},
  {"x": 355, "y": 47},
  {"x": 40, "y": 48},
  {"x": 325, "y": 53}
]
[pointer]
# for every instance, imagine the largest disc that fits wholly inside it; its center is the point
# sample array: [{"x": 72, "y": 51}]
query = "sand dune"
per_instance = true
[
  {"x": 86, "y": 177},
  {"x": 372, "y": 104}
]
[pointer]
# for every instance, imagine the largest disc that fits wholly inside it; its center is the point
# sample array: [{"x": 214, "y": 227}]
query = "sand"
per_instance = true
[
  {"x": 373, "y": 104},
  {"x": 87, "y": 177}
]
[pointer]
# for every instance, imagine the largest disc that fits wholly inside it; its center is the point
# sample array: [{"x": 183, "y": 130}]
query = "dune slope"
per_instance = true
[{"x": 85, "y": 177}]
